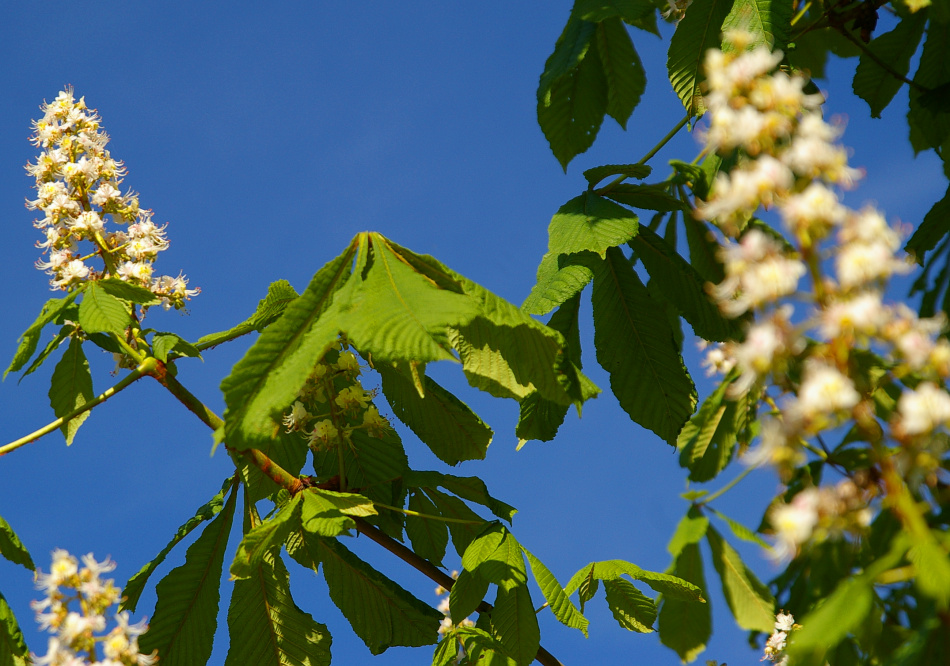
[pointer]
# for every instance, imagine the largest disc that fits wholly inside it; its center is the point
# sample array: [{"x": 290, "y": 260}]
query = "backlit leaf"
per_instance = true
[
  {"x": 71, "y": 388},
  {"x": 29, "y": 339},
  {"x": 554, "y": 594},
  {"x": 623, "y": 70},
  {"x": 100, "y": 312},
  {"x": 876, "y": 85},
  {"x": 590, "y": 223},
  {"x": 632, "y": 609},
  {"x": 12, "y": 549},
  {"x": 750, "y": 601},
  {"x": 698, "y": 32}
]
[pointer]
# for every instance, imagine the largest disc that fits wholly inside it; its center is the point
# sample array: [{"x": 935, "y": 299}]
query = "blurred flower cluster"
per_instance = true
[
  {"x": 847, "y": 362},
  {"x": 77, "y": 184},
  {"x": 79, "y": 634},
  {"x": 333, "y": 403},
  {"x": 775, "y": 646}
]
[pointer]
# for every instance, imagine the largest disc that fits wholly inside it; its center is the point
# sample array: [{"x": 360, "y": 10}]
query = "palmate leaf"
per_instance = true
[
  {"x": 873, "y": 83},
  {"x": 31, "y": 336},
  {"x": 12, "y": 549},
  {"x": 279, "y": 295},
  {"x": 71, "y": 388},
  {"x": 590, "y": 223},
  {"x": 558, "y": 601},
  {"x": 443, "y": 422},
  {"x": 13, "y": 650},
  {"x": 133, "y": 589},
  {"x": 750, "y": 601},
  {"x": 265, "y": 625},
  {"x": 683, "y": 286},
  {"x": 182, "y": 628},
  {"x": 636, "y": 347},
  {"x": 626, "y": 79},
  {"x": 698, "y": 31},
  {"x": 381, "y": 613}
]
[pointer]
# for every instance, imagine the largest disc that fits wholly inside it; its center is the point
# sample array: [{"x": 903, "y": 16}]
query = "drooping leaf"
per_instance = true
[
  {"x": 54, "y": 344},
  {"x": 13, "y": 650},
  {"x": 186, "y": 615},
  {"x": 649, "y": 197},
  {"x": 265, "y": 625},
  {"x": 495, "y": 556},
  {"x": 429, "y": 537},
  {"x": 279, "y": 295},
  {"x": 935, "y": 226},
  {"x": 683, "y": 286},
  {"x": 554, "y": 594},
  {"x": 265, "y": 539},
  {"x": 71, "y": 388},
  {"x": 750, "y": 601},
  {"x": 647, "y": 374},
  {"x": 324, "y": 517},
  {"x": 876, "y": 85},
  {"x": 572, "y": 93},
  {"x": 466, "y": 594},
  {"x": 691, "y": 529},
  {"x": 452, "y": 507},
  {"x": 443, "y": 422},
  {"x": 632, "y": 609},
  {"x": 514, "y": 620},
  {"x": 929, "y": 119},
  {"x": 12, "y": 549},
  {"x": 101, "y": 312},
  {"x": 29, "y": 339},
  {"x": 381, "y": 613},
  {"x": 470, "y": 488},
  {"x": 623, "y": 70},
  {"x": 590, "y": 223},
  {"x": 133, "y": 589},
  {"x": 698, "y": 32},
  {"x": 685, "y": 626},
  {"x": 560, "y": 278},
  {"x": 597, "y": 174},
  {"x": 838, "y": 615}
]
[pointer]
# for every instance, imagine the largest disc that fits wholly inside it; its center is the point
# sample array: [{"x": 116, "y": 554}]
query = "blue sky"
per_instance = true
[{"x": 267, "y": 138}]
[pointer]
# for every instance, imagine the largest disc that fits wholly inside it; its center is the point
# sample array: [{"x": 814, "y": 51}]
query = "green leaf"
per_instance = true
[
  {"x": 685, "y": 626},
  {"x": 597, "y": 174},
  {"x": 452, "y": 507},
  {"x": 279, "y": 295},
  {"x": 614, "y": 569},
  {"x": 128, "y": 292},
  {"x": 560, "y": 278},
  {"x": 839, "y": 614},
  {"x": 690, "y": 530},
  {"x": 876, "y": 85},
  {"x": 51, "y": 346},
  {"x": 740, "y": 530},
  {"x": 71, "y": 388},
  {"x": 768, "y": 20},
  {"x": 29, "y": 339},
  {"x": 933, "y": 570},
  {"x": 13, "y": 650},
  {"x": 443, "y": 422},
  {"x": 272, "y": 371},
  {"x": 495, "y": 556},
  {"x": 482, "y": 648},
  {"x": 935, "y": 226},
  {"x": 698, "y": 32},
  {"x": 446, "y": 653},
  {"x": 599, "y": 10},
  {"x": 381, "y": 613},
  {"x": 429, "y": 537},
  {"x": 265, "y": 625},
  {"x": 554, "y": 594},
  {"x": 683, "y": 286},
  {"x": 328, "y": 514},
  {"x": 516, "y": 623},
  {"x": 632, "y": 609},
  {"x": 470, "y": 488},
  {"x": 649, "y": 197},
  {"x": 573, "y": 92},
  {"x": 12, "y": 548},
  {"x": 636, "y": 347},
  {"x": 750, "y": 601},
  {"x": 703, "y": 251},
  {"x": 466, "y": 594},
  {"x": 265, "y": 538},
  {"x": 186, "y": 615},
  {"x": 100, "y": 312},
  {"x": 929, "y": 122},
  {"x": 590, "y": 223},
  {"x": 623, "y": 70},
  {"x": 133, "y": 589},
  {"x": 165, "y": 343}
]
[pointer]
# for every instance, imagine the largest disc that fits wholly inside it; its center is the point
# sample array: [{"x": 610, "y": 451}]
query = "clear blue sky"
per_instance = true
[{"x": 268, "y": 137}]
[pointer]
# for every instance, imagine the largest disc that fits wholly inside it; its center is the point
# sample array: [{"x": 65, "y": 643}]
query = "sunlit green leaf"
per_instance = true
[
  {"x": 516, "y": 623},
  {"x": 590, "y": 223},
  {"x": 750, "y": 601},
  {"x": 623, "y": 70},
  {"x": 554, "y": 594},
  {"x": 31, "y": 336},
  {"x": 698, "y": 32},
  {"x": 467, "y": 593},
  {"x": 100, "y": 312},
  {"x": 71, "y": 388},
  {"x": 560, "y": 278},
  {"x": 13, "y": 650},
  {"x": 685, "y": 626},
  {"x": 630, "y": 607},
  {"x": 279, "y": 295}
]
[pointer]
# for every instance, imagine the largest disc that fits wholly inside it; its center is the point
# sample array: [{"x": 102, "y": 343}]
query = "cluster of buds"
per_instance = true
[
  {"x": 333, "y": 403},
  {"x": 447, "y": 624},
  {"x": 787, "y": 160},
  {"x": 775, "y": 646},
  {"x": 77, "y": 184},
  {"x": 80, "y": 634}
]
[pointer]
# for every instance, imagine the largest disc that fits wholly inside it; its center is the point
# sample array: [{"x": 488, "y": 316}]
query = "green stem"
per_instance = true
[
  {"x": 410, "y": 512},
  {"x": 726, "y": 488},
  {"x": 188, "y": 399},
  {"x": 653, "y": 151},
  {"x": 147, "y": 367}
]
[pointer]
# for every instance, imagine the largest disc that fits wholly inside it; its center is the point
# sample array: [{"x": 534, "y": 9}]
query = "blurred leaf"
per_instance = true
[
  {"x": 100, "y": 312},
  {"x": 769, "y": 21},
  {"x": 29, "y": 339},
  {"x": 928, "y": 119},
  {"x": 590, "y": 223},
  {"x": 265, "y": 625},
  {"x": 186, "y": 614},
  {"x": 71, "y": 388},
  {"x": 933, "y": 571},
  {"x": 876, "y": 85},
  {"x": 12, "y": 548},
  {"x": 13, "y": 650},
  {"x": 750, "y": 601},
  {"x": 279, "y": 295},
  {"x": 133, "y": 589},
  {"x": 935, "y": 226},
  {"x": 630, "y": 607},
  {"x": 740, "y": 530}
]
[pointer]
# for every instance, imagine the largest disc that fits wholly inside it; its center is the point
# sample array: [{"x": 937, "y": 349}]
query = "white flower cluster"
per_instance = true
[
  {"x": 79, "y": 635},
  {"x": 787, "y": 159},
  {"x": 77, "y": 184},
  {"x": 443, "y": 607},
  {"x": 333, "y": 403},
  {"x": 775, "y": 646}
]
